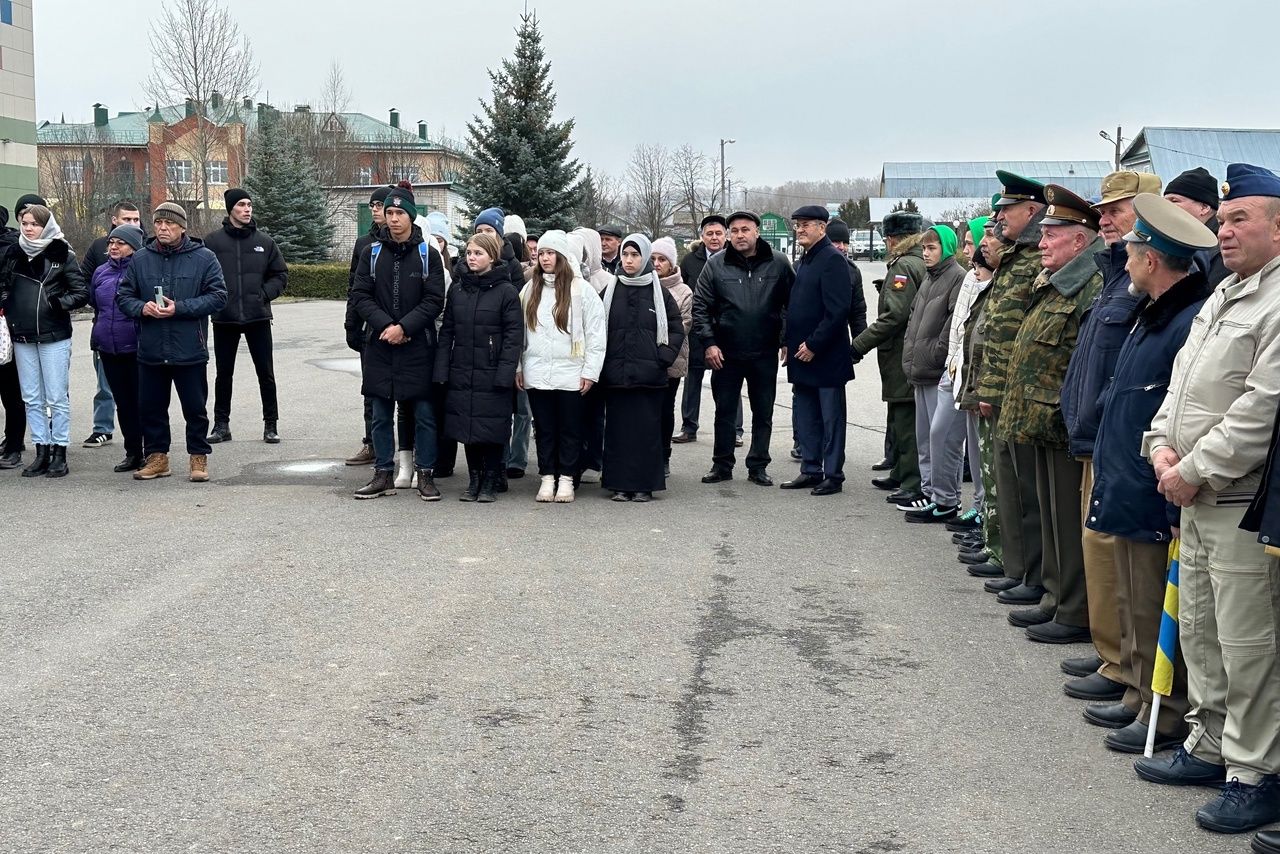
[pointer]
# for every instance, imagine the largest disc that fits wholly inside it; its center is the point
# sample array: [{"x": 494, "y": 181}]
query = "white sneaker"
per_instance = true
[
  {"x": 564, "y": 491},
  {"x": 546, "y": 491},
  {"x": 590, "y": 476},
  {"x": 404, "y": 469}
]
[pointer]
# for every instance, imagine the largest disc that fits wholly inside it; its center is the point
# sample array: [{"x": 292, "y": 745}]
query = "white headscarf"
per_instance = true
[
  {"x": 51, "y": 233},
  {"x": 646, "y": 276}
]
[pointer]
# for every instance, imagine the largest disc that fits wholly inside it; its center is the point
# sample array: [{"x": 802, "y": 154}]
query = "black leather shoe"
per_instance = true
[
  {"x": 1110, "y": 715},
  {"x": 973, "y": 558},
  {"x": 884, "y": 465},
  {"x": 270, "y": 432},
  {"x": 1001, "y": 584},
  {"x": 1056, "y": 632},
  {"x": 760, "y": 476},
  {"x": 1021, "y": 595},
  {"x": 1095, "y": 687},
  {"x": 1133, "y": 739},
  {"x": 717, "y": 476},
  {"x": 985, "y": 570},
  {"x": 1266, "y": 842},
  {"x": 221, "y": 432},
  {"x": 829, "y": 486},
  {"x": 886, "y": 483},
  {"x": 804, "y": 481},
  {"x": 1242, "y": 807},
  {"x": 1029, "y": 617},
  {"x": 970, "y": 544},
  {"x": 131, "y": 462},
  {"x": 1081, "y": 666},
  {"x": 684, "y": 438},
  {"x": 958, "y": 537},
  {"x": 1180, "y": 768}
]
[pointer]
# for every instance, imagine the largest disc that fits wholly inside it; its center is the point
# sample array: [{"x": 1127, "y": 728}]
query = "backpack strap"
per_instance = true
[{"x": 374, "y": 249}]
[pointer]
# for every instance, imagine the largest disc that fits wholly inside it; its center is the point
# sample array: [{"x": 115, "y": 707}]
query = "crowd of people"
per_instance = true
[{"x": 1103, "y": 369}]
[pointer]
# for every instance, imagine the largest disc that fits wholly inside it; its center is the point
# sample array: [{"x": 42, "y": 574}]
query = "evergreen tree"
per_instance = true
[
  {"x": 288, "y": 202},
  {"x": 519, "y": 158}
]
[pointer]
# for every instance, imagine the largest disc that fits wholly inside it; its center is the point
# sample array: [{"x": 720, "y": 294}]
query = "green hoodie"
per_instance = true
[
  {"x": 947, "y": 237},
  {"x": 977, "y": 228}
]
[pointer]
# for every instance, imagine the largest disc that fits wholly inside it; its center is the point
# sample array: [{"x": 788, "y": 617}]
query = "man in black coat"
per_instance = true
[
  {"x": 819, "y": 362},
  {"x": 399, "y": 292},
  {"x": 255, "y": 274},
  {"x": 738, "y": 306},
  {"x": 354, "y": 323},
  {"x": 838, "y": 233}
]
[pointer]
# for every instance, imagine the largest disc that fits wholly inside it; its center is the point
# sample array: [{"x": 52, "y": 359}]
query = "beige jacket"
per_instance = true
[{"x": 1221, "y": 402}]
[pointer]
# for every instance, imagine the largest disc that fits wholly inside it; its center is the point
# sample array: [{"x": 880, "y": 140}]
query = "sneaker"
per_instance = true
[
  {"x": 932, "y": 513},
  {"x": 564, "y": 490},
  {"x": 546, "y": 489},
  {"x": 969, "y": 520},
  {"x": 913, "y": 502},
  {"x": 362, "y": 457},
  {"x": 199, "y": 468},
  {"x": 1242, "y": 807},
  {"x": 96, "y": 440},
  {"x": 590, "y": 476},
  {"x": 157, "y": 465}
]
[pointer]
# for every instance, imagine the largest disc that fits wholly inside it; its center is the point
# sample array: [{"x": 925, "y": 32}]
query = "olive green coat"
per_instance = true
[
  {"x": 1032, "y": 413},
  {"x": 885, "y": 334}
]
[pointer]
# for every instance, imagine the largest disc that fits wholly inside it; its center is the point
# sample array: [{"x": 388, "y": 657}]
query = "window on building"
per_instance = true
[
  {"x": 73, "y": 171},
  {"x": 364, "y": 175},
  {"x": 217, "y": 171},
  {"x": 178, "y": 171},
  {"x": 405, "y": 172}
]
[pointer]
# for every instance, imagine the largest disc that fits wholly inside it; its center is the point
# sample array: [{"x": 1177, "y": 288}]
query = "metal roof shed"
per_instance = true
[{"x": 1170, "y": 151}]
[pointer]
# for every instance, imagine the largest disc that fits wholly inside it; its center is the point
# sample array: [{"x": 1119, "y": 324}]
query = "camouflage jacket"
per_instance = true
[
  {"x": 885, "y": 334},
  {"x": 1010, "y": 294},
  {"x": 1032, "y": 412}
]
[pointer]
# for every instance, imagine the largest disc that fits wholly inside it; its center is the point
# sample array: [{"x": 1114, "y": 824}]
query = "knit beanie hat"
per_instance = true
[
  {"x": 838, "y": 231},
  {"x": 666, "y": 247},
  {"x": 977, "y": 227},
  {"x": 1196, "y": 184},
  {"x": 401, "y": 197},
  {"x": 379, "y": 195},
  {"x": 438, "y": 224},
  {"x": 514, "y": 224},
  {"x": 171, "y": 211},
  {"x": 557, "y": 241},
  {"x": 129, "y": 234},
  {"x": 492, "y": 217},
  {"x": 234, "y": 196},
  {"x": 28, "y": 199},
  {"x": 947, "y": 237}
]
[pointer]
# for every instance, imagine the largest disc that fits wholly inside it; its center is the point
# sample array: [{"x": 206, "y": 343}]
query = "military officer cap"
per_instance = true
[
  {"x": 1125, "y": 185},
  {"x": 902, "y": 223},
  {"x": 1167, "y": 228},
  {"x": 1015, "y": 189},
  {"x": 1066, "y": 208},
  {"x": 1246, "y": 180}
]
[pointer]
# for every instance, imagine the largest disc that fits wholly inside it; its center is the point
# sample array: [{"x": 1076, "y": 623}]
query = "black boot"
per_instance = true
[
  {"x": 40, "y": 464},
  {"x": 383, "y": 483},
  {"x": 57, "y": 462},
  {"x": 269, "y": 434},
  {"x": 499, "y": 480},
  {"x": 488, "y": 486},
  {"x": 472, "y": 492},
  {"x": 131, "y": 462},
  {"x": 427, "y": 490},
  {"x": 221, "y": 432},
  {"x": 11, "y": 455}
]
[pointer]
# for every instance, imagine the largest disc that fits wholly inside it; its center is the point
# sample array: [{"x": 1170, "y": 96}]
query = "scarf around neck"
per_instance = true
[
  {"x": 647, "y": 276},
  {"x": 34, "y": 247},
  {"x": 577, "y": 335}
]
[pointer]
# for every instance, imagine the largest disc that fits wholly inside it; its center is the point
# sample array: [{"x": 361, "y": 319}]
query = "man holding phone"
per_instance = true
[{"x": 173, "y": 285}]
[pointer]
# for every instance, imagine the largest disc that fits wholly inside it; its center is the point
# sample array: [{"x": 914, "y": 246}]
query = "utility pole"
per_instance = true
[
  {"x": 724, "y": 205},
  {"x": 1117, "y": 141}
]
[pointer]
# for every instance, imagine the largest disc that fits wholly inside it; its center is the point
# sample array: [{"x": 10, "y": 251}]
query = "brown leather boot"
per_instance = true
[
  {"x": 157, "y": 465},
  {"x": 199, "y": 468}
]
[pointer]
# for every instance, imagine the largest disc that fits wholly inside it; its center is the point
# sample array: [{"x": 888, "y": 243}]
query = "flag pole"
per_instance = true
[{"x": 1151, "y": 725}]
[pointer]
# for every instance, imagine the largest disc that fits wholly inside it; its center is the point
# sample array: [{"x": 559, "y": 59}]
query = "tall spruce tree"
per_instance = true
[
  {"x": 288, "y": 202},
  {"x": 520, "y": 158}
]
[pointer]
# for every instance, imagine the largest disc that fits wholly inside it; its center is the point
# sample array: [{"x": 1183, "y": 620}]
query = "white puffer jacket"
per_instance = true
[{"x": 548, "y": 362}]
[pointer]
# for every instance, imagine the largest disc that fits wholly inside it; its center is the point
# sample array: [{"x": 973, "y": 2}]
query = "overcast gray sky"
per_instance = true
[{"x": 813, "y": 90}]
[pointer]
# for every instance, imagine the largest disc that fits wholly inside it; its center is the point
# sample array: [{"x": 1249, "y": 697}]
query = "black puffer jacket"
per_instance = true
[
  {"x": 39, "y": 294},
  {"x": 739, "y": 302},
  {"x": 480, "y": 344},
  {"x": 354, "y": 323},
  {"x": 632, "y": 358},
  {"x": 515, "y": 270},
  {"x": 253, "y": 269},
  {"x": 397, "y": 291}
]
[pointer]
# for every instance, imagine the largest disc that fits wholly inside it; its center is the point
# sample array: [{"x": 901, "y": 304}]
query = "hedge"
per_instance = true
[{"x": 317, "y": 281}]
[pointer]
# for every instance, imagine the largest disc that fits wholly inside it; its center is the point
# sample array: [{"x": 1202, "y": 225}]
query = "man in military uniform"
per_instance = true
[
  {"x": 1106, "y": 325},
  {"x": 902, "y": 234},
  {"x": 1031, "y": 416},
  {"x": 1019, "y": 210},
  {"x": 1208, "y": 444}
]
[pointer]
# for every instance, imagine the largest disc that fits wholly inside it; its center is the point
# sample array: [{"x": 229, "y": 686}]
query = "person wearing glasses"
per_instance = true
[{"x": 354, "y": 325}]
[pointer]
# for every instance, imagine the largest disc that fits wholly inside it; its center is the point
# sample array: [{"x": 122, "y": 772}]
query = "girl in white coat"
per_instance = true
[{"x": 563, "y": 353}]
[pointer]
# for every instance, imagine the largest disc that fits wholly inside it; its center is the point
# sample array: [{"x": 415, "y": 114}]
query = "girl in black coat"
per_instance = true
[
  {"x": 479, "y": 352},
  {"x": 645, "y": 335}
]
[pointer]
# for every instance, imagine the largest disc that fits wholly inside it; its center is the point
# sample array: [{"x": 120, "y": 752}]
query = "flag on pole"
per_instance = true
[{"x": 1162, "y": 677}]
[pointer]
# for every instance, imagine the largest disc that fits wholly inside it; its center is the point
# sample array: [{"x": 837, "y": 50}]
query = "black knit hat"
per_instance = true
[
  {"x": 234, "y": 196},
  {"x": 1196, "y": 184},
  {"x": 379, "y": 195},
  {"x": 28, "y": 199},
  {"x": 838, "y": 231},
  {"x": 401, "y": 197}
]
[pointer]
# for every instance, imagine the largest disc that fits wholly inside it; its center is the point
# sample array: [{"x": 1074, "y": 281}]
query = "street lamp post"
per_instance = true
[{"x": 723, "y": 199}]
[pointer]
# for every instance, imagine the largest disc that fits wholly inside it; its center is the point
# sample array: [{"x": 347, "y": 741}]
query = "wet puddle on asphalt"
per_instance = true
[
  {"x": 349, "y": 365},
  {"x": 287, "y": 473}
]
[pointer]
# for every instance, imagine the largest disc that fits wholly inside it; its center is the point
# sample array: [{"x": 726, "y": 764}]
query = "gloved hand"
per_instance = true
[{"x": 355, "y": 340}]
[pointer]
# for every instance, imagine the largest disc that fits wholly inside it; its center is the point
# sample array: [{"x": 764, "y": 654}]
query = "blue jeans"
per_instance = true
[
  {"x": 517, "y": 456},
  {"x": 43, "y": 371},
  {"x": 384, "y": 433},
  {"x": 104, "y": 402}
]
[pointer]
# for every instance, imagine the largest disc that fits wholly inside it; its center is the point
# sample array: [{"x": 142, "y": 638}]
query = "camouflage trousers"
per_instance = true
[{"x": 990, "y": 511}]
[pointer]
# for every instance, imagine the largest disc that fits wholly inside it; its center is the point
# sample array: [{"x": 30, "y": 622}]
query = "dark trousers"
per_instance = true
[
  {"x": 557, "y": 428},
  {"x": 906, "y": 460},
  {"x": 226, "y": 343},
  {"x": 691, "y": 401},
  {"x": 15, "y": 410},
  {"x": 406, "y": 425},
  {"x": 761, "y": 377},
  {"x": 669, "y": 415},
  {"x": 1058, "y": 477},
  {"x": 593, "y": 430},
  {"x": 424, "y": 425},
  {"x": 446, "y": 448},
  {"x": 1018, "y": 507},
  {"x": 122, "y": 377},
  {"x": 819, "y": 417},
  {"x": 154, "y": 385},
  {"x": 485, "y": 456},
  {"x": 368, "y": 420}
]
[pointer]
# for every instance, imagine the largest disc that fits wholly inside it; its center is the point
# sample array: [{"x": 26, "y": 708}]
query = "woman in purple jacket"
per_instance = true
[{"x": 115, "y": 337}]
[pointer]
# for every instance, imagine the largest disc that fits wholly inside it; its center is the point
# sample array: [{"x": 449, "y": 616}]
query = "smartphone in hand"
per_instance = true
[{"x": 160, "y": 298}]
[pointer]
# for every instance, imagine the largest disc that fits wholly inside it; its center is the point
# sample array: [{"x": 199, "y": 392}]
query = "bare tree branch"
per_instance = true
[{"x": 653, "y": 192}]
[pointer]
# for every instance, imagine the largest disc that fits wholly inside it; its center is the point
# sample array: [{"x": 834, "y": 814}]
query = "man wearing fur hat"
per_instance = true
[{"x": 255, "y": 273}]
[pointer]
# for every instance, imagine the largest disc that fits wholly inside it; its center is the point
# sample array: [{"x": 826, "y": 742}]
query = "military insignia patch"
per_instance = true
[
  {"x": 899, "y": 282},
  {"x": 1226, "y": 189}
]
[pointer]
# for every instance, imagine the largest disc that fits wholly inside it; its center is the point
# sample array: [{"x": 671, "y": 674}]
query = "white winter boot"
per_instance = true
[
  {"x": 547, "y": 490},
  {"x": 404, "y": 469},
  {"x": 564, "y": 492}
]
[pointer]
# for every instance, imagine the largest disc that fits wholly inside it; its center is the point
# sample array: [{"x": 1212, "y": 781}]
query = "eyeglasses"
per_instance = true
[{"x": 802, "y": 224}]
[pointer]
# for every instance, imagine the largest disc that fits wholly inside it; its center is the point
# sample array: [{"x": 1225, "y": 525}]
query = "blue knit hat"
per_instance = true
[{"x": 493, "y": 217}]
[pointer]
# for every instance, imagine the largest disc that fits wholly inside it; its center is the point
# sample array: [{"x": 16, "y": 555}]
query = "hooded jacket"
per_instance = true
[
  {"x": 818, "y": 317},
  {"x": 508, "y": 261},
  {"x": 252, "y": 267},
  {"x": 39, "y": 294},
  {"x": 596, "y": 275},
  {"x": 924, "y": 347},
  {"x": 188, "y": 274},
  {"x": 739, "y": 303},
  {"x": 114, "y": 332},
  {"x": 963, "y": 319}
]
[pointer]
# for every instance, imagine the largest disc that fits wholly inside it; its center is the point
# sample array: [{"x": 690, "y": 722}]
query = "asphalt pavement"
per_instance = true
[{"x": 262, "y": 663}]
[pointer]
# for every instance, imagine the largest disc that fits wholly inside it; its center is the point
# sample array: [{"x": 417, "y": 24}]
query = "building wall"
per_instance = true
[
  {"x": 18, "y": 166},
  {"x": 350, "y": 201}
]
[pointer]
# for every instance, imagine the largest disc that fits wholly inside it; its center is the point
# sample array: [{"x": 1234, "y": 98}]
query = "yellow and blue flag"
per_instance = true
[{"x": 1167, "y": 648}]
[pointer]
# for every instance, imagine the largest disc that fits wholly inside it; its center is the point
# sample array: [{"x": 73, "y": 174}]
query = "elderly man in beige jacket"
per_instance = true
[{"x": 1208, "y": 444}]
